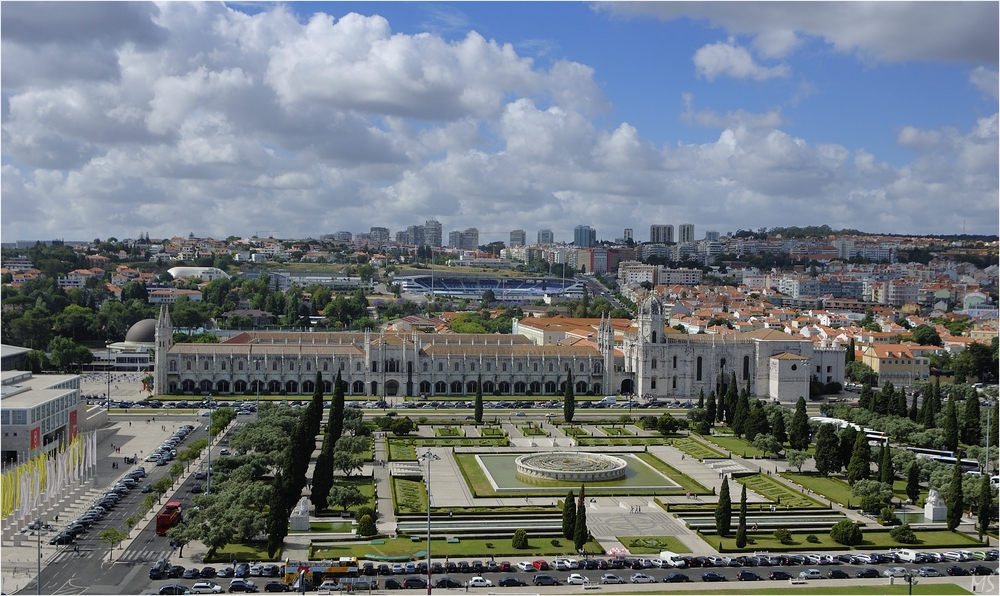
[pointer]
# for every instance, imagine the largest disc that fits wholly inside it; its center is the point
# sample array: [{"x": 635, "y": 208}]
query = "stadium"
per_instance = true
[{"x": 506, "y": 289}]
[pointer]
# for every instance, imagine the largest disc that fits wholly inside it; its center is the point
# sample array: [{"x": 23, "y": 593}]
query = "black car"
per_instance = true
[
  {"x": 208, "y": 572},
  {"x": 782, "y": 575},
  {"x": 711, "y": 576},
  {"x": 63, "y": 538},
  {"x": 368, "y": 568},
  {"x": 414, "y": 582},
  {"x": 867, "y": 572},
  {"x": 541, "y": 579},
  {"x": 174, "y": 589},
  {"x": 955, "y": 570},
  {"x": 384, "y": 569},
  {"x": 447, "y": 582},
  {"x": 155, "y": 573},
  {"x": 463, "y": 567},
  {"x": 175, "y": 571},
  {"x": 837, "y": 573},
  {"x": 980, "y": 570},
  {"x": 675, "y": 578},
  {"x": 392, "y": 584},
  {"x": 511, "y": 582},
  {"x": 197, "y": 488},
  {"x": 436, "y": 568},
  {"x": 748, "y": 576},
  {"x": 275, "y": 586}
]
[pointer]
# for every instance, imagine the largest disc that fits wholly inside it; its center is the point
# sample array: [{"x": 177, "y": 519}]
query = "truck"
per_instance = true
[
  {"x": 168, "y": 518},
  {"x": 608, "y": 401}
]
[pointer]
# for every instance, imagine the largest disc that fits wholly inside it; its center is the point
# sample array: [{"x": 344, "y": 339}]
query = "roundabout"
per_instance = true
[{"x": 571, "y": 467}]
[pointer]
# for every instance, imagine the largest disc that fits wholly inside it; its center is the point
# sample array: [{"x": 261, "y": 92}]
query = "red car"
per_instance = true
[
  {"x": 540, "y": 565},
  {"x": 505, "y": 566}
]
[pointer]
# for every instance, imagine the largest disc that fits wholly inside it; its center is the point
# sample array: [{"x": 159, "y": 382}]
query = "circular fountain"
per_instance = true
[{"x": 571, "y": 467}]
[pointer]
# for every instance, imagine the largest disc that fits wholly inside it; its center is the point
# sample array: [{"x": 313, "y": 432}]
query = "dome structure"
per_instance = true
[{"x": 143, "y": 332}]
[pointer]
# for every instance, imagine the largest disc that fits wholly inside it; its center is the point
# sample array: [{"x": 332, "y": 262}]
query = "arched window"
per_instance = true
[
  {"x": 488, "y": 387},
  {"x": 698, "y": 369},
  {"x": 470, "y": 387},
  {"x": 425, "y": 367},
  {"x": 440, "y": 366},
  {"x": 425, "y": 386},
  {"x": 241, "y": 365},
  {"x": 274, "y": 386},
  {"x": 326, "y": 366},
  {"x": 308, "y": 386},
  {"x": 675, "y": 361},
  {"x": 240, "y": 387},
  {"x": 520, "y": 367},
  {"x": 581, "y": 387},
  {"x": 550, "y": 387},
  {"x": 534, "y": 367},
  {"x": 291, "y": 366},
  {"x": 535, "y": 387},
  {"x": 597, "y": 368},
  {"x": 374, "y": 387},
  {"x": 581, "y": 367},
  {"x": 440, "y": 387},
  {"x": 722, "y": 363},
  {"x": 654, "y": 337},
  {"x": 489, "y": 366},
  {"x": 653, "y": 364},
  {"x": 652, "y": 383},
  {"x": 456, "y": 367},
  {"x": 222, "y": 386},
  {"x": 503, "y": 366},
  {"x": 746, "y": 368},
  {"x": 309, "y": 366},
  {"x": 520, "y": 387},
  {"x": 257, "y": 365},
  {"x": 205, "y": 365},
  {"x": 456, "y": 387},
  {"x": 173, "y": 366},
  {"x": 358, "y": 387},
  {"x": 472, "y": 366},
  {"x": 327, "y": 386},
  {"x": 291, "y": 387},
  {"x": 504, "y": 387},
  {"x": 675, "y": 382},
  {"x": 357, "y": 367},
  {"x": 274, "y": 365},
  {"x": 343, "y": 365},
  {"x": 187, "y": 386},
  {"x": 188, "y": 365},
  {"x": 550, "y": 367},
  {"x": 374, "y": 367},
  {"x": 223, "y": 365}
]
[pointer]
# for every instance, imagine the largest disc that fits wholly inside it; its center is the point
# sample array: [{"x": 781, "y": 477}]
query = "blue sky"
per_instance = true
[{"x": 307, "y": 118}]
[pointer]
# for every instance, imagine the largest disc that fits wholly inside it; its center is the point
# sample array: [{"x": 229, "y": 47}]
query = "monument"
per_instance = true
[
  {"x": 934, "y": 508},
  {"x": 300, "y": 516},
  {"x": 571, "y": 466}
]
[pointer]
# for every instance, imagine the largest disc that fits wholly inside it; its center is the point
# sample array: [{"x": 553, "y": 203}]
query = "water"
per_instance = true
[{"x": 911, "y": 517}]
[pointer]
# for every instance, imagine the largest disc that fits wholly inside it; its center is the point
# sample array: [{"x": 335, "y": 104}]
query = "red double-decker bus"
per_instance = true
[{"x": 170, "y": 517}]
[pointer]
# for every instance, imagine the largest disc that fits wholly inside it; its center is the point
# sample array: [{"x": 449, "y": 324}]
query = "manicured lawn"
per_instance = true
[
  {"x": 492, "y": 431},
  {"x": 737, "y": 446},
  {"x": 616, "y": 431},
  {"x": 899, "y": 491},
  {"x": 466, "y": 548},
  {"x": 605, "y": 441},
  {"x": 779, "y": 493},
  {"x": 832, "y": 488},
  {"x": 532, "y": 431},
  {"x": 401, "y": 450},
  {"x": 929, "y": 539},
  {"x": 696, "y": 449},
  {"x": 921, "y": 589},
  {"x": 574, "y": 431},
  {"x": 255, "y": 551},
  {"x": 448, "y": 431},
  {"x": 644, "y": 545},
  {"x": 409, "y": 496},
  {"x": 686, "y": 482}
]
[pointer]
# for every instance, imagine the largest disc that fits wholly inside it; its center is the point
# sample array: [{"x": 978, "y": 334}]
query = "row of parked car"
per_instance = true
[
  {"x": 167, "y": 450},
  {"x": 99, "y": 508}
]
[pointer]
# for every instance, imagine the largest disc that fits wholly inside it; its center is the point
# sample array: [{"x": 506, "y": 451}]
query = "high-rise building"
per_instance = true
[
  {"x": 342, "y": 236},
  {"x": 432, "y": 233},
  {"x": 712, "y": 236},
  {"x": 455, "y": 239},
  {"x": 628, "y": 234},
  {"x": 518, "y": 238},
  {"x": 379, "y": 234},
  {"x": 661, "y": 233},
  {"x": 414, "y": 235},
  {"x": 685, "y": 233},
  {"x": 470, "y": 239},
  {"x": 546, "y": 237},
  {"x": 584, "y": 236}
]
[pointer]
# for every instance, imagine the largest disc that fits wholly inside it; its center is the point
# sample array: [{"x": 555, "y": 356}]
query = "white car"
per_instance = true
[
  {"x": 575, "y": 579},
  {"x": 560, "y": 565},
  {"x": 525, "y": 566},
  {"x": 812, "y": 559},
  {"x": 811, "y": 574},
  {"x": 951, "y": 556},
  {"x": 611, "y": 578},
  {"x": 255, "y": 570},
  {"x": 480, "y": 582},
  {"x": 206, "y": 587},
  {"x": 895, "y": 572},
  {"x": 642, "y": 578}
]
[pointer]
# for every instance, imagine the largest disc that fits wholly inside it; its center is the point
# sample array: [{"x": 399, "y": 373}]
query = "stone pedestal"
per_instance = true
[
  {"x": 299, "y": 519},
  {"x": 935, "y": 509}
]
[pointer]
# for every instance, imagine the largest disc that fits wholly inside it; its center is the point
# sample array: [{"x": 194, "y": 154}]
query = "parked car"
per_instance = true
[
  {"x": 191, "y": 573},
  {"x": 779, "y": 574},
  {"x": 895, "y": 572},
  {"x": 414, "y": 582},
  {"x": 575, "y": 579},
  {"x": 275, "y": 586},
  {"x": 511, "y": 582},
  {"x": 676, "y": 578},
  {"x": 811, "y": 574},
  {"x": 206, "y": 587},
  {"x": 525, "y": 566},
  {"x": 392, "y": 584},
  {"x": 929, "y": 572},
  {"x": 540, "y": 564},
  {"x": 837, "y": 573},
  {"x": 175, "y": 571},
  {"x": 748, "y": 576},
  {"x": 642, "y": 578},
  {"x": 712, "y": 576},
  {"x": 447, "y": 582},
  {"x": 242, "y": 585},
  {"x": 611, "y": 578},
  {"x": 956, "y": 571},
  {"x": 980, "y": 570},
  {"x": 226, "y": 573},
  {"x": 543, "y": 579},
  {"x": 867, "y": 572},
  {"x": 174, "y": 589}
]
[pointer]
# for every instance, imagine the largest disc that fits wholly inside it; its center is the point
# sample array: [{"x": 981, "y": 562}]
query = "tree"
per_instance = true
[
  {"x": 778, "y": 425},
  {"x": 885, "y": 472},
  {"x": 322, "y": 480},
  {"x": 903, "y": 534},
  {"x": 741, "y": 415},
  {"x": 987, "y": 510},
  {"x": 827, "y": 453},
  {"x": 724, "y": 510},
  {"x": 701, "y": 398},
  {"x": 866, "y": 397},
  {"x": 741, "y": 530},
  {"x": 798, "y": 434},
  {"x": 569, "y": 516},
  {"x": 783, "y": 535},
  {"x": 859, "y": 467},
  {"x": 347, "y": 462},
  {"x": 849, "y": 354},
  {"x": 335, "y": 424},
  {"x": 956, "y": 500},
  {"x": 569, "y": 400},
  {"x": 913, "y": 482},
  {"x": 366, "y": 527},
  {"x": 926, "y": 335},
  {"x": 479, "y": 399},
  {"x": 580, "y": 531},
  {"x": 848, "y": 436},
  {"x": 345, "y": 496},
  {"x": 520, "y": 539},
  {"x": 112, "y": 537},
  {"x": 667, "y": 424},
  {"x": 950, "y": 425},
  {"x": 767, "y": 444},
  {"x": 972, "y": 429},
  {"x": 846, "y": 532},
  {"x": 65, "y": 354},
  {"x": 710, "y": 408},
  {"x": 914, "y": 411},
  {"x": 796, "y": 458},
  {"x": 732, "y": 399},
  {"x": 401, "y": 426},
  {"x": 756, "y": 422},
  {"x": 315, "y": 411}
]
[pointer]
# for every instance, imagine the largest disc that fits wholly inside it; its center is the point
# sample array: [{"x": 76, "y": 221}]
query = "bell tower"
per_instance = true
[
  {"x": 651, "y": 321},
  {"x": 164, "y": 339}
]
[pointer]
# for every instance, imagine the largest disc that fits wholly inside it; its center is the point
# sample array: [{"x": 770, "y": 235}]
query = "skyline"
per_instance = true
[{"x": 303, "y": 119}]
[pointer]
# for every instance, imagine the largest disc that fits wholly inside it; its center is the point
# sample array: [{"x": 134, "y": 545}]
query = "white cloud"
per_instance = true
[
  {"x": 986, "y": 80},
  {"x": 717, "y": 59},
  {"x": 776, "y": 43}
]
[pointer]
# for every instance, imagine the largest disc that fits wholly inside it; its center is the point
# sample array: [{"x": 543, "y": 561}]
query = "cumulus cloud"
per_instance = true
[
  {"x": 879, "y": 31},
  {"x": 986, "y": 80},
  {"x": 776, "y": 43},
  {"x": 717, "y": 59}
]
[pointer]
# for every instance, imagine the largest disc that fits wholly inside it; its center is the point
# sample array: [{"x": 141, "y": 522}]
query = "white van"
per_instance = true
[
  {"x": 672, "y": 559},
  {"x": 609, "y": 400},
  {"x": 906, "y": 555}
]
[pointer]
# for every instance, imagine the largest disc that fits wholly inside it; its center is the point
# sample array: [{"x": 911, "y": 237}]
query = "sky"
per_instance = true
[{"x": 301, "y": 119}]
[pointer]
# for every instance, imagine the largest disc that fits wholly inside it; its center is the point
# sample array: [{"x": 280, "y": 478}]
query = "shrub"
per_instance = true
[
  {"x": 365, "y": 510},
  {"x": 520, "y": 539},
  {"x": 903, "y": 534},
  {"x": 872, "y": 504},
  {"x": 812, "y": 538},
  {"x": 846, "y": 532},
  {"x": 783, "y": 536},
  {"x": 366, "y": 527},
  {"x": 556, "y": 543}
]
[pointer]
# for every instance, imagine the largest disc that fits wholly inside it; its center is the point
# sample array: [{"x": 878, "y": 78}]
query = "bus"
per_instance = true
[
  {"x": 344, "y": 569},
  {"x": 170, "y": 517}
]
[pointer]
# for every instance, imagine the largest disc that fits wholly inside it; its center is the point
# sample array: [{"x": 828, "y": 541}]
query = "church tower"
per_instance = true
[
  {"x": 606, "y": 345},
  {"x": 651, "y": 321},
  {"x": 164, "y": 339}
]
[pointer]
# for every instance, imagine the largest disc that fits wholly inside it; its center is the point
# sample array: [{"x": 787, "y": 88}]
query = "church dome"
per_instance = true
[{"x": 143, "y": 332}]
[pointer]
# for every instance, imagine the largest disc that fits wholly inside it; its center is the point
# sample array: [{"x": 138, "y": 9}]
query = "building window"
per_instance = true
[
  {"x": 829, "y": 369},
  {"x": 675, "y": 361},
  {"x": 654, "y": 337},
  {"x": 425, "y": 367},
  {"x": 472, "y": 366},
  {"x": 698, "y": 369},
  {"x": 274, "y": 366},
  {"x": 489, "y": 367},
  {"x": 652, "y": 383},
  {"x": 241, "y": 365},
  {"x": 189, "y": 366},
  {"x": 456, "y": 367},
  {"x": 440, "y": 366},
  {"x": 223, "y": 365},
  {"x": 675, "y": 382},
  {"x": 357, "y": 367},
  {"x": 653, "y": 364},
  {"x": 550, "y": 367},
  {"x": 534, "y": 367},
  {"x": 326, "y": 366},
  {"x": 746, "y": 368},
  {"x": 504, "y": 367},
  {"x": 519, "y": 368},
  {"x": 291, "y": 366},
  {"x": 375, "y": 368},
  {"x": 173, "y": 366},
  {"x": 309, "y": 366},
  {"x": 582, "y": 367},
  {"x": 257, "y": 365}
]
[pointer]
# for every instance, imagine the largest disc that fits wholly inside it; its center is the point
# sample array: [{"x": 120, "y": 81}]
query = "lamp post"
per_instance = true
[
  {"x": 208, "y": 478},
  {"x": 38, "y": 540},
  {"x": 108, "y": 375},
  {"x": 428, "y": 457}
]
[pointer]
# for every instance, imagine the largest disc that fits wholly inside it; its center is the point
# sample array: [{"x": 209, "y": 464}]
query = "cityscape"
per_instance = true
[{"x": 500, "y": 297}]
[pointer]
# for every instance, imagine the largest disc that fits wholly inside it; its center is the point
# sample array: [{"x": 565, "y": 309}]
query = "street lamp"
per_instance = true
[
  {"x": 38, "y": 540},
  {"x": 208, "y": 480},
  {"x": 908, "y": 576},
  {"x": 428, "y": 457},
  {"x": 107, "y": 371}
]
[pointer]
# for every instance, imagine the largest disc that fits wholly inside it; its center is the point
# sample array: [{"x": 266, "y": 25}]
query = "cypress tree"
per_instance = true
[
  {"x": 779, "y": 427},
  {"x": 987, "y": 510},
  {"x": 741, "y": 415},
  {"x": 972, "y": 430},
  {"x": 756, "y": 422},
  {"x": 569, "y": 516},
  {"x": 865, "y": 400},
  {"x": 724, "y": 510},
  {"x": 322, "y": 480},
  {"x": 847, "y": 438},
  {"x": 798, "y": 434},
  {"x": 741, "y": 529},
  {"x": 827, "y": 456},
  {"x": 913, "y": 482},
  {"x": 701, "y": 398},
  {"x": 860, "y": 467},
  {"x": 336, "y": 422},
  {"x": 927, "y": 409},
  {"x": 732, "y": 399},
  {"x": 479, "y": 399},
  {"x": 956, "y": 500},
  {"x": 580, "y": 532},
  {"x": 710, "y": 408},
  {"x": 885, "y": 472},
  {"x": 950, "y": 425},
  {"x": 849, "y": 354},
  {"x": 569, "y": 400},
  {"x": 936, "y": 395},
  {"x": 913, "y": 409},
  {"x": 316, "y": 407},
  {"x": 899, "y": 405}
]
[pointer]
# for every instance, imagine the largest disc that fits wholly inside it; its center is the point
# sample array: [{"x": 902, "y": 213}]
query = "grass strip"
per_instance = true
[
  {"x": 645, "y": 545},
  {"x": 779, "y": 493},
  {"x": 686, "y": 482}
]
